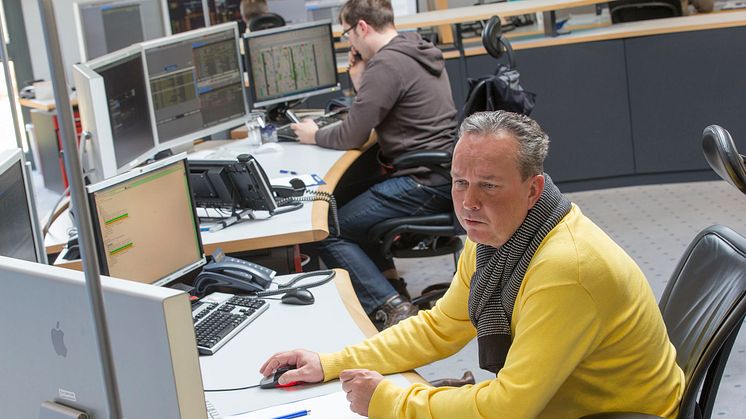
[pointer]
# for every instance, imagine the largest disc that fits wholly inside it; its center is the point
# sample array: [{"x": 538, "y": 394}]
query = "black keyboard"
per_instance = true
[
  {"x": 218, "y": 317},
  {"x": 326, "y": 121}
]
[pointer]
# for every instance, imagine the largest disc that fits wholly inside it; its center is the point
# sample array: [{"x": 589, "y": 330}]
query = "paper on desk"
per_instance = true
[
  {"x": 310, "y": 180},
  {"x": 330, "y": 406}
]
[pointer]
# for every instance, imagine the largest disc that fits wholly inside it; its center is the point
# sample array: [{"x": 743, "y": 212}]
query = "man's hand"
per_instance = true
[
  {"x": 359, "y": 386},
  {"x": 307, "y": 363},
  {"x": 306, "y": 131},
  {"x": 355, "y": 68}
]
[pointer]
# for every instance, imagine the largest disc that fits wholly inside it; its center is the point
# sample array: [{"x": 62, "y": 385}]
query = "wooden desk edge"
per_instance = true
[{"x": 347, "y": 293}]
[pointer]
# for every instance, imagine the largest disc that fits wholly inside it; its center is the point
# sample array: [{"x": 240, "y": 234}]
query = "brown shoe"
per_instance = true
[
  {"x": 401, "y": 287},
  {"x": 395, "y": 310}
]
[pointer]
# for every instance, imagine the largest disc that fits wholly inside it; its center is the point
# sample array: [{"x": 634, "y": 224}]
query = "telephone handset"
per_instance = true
[{"x": 227, "y": 272}]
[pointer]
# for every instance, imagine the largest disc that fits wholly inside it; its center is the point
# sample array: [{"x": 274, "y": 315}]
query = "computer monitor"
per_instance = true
[
  {"x": 20, "y": 235},
  {"x": 195, "y": 80},
  {"x": 114, "y": 111},
  {"x": 145, "y": 224},
  {"x": 290, "y": 63},
  {"x": 53, "y": 355},
  {"x": 104, "y": 26}
]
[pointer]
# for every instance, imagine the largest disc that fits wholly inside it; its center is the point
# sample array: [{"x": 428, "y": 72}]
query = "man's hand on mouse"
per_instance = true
[
  {"x": 359, "y": 384},
  {"x": 306, "y": 131},
  {"x": 308, "y": 366}
]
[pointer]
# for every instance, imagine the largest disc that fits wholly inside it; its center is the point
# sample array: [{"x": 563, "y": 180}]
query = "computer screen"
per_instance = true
[
  {"x": 104, "y": 26},
  {"x": 145, "y": 224},
  {"x": 196, "y": 84},
  {"x": 20, "y": 236},
  {"x": 113, "y": 105},
  {"x": 54, "y": 354},
  {"x": 290, "y": 63}
]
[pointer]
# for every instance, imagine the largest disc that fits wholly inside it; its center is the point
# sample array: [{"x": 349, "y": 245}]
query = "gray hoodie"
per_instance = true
[{"x": 406, "y": 96}]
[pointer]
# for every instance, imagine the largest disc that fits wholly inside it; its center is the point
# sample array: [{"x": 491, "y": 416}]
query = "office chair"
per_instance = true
[
  {"x": 265, "y": 21},
  {"x": 703, "y": 305},
  {"x": 633, "y": 10},
  {"x": 722, "y": 156},
  {"x": 422, "y": 235},
  {"x": 501, "y": 90}
]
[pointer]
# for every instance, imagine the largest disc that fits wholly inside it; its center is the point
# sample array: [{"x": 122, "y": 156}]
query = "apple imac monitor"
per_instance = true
[
  {"x": 104, "y": 26},
  {"x": 20, "y": 235},
  {"x": 195, "y": 80},
  {"x": 145, "y": 224},
  {"x": 114, "y": 112},
  {"x": 290, "y": 63},
  {"x": 54, "y": 356}
]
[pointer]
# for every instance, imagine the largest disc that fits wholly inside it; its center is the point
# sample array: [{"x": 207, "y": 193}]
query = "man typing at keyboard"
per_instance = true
[{"x": 403, "y": 92}]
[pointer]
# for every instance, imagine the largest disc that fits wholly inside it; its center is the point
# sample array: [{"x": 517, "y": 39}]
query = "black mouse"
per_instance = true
[
  {"x": 300, "y": 296},
  {"x": 272, "y": 380}
]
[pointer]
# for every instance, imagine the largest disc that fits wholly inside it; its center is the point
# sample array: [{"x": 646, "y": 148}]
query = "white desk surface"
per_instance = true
[
  {"x": 332, "y": 322},
  {"x": 301, "y": 226}
]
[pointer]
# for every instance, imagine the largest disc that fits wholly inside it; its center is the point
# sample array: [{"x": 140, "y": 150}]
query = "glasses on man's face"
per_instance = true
[{"x": 344, "y": 36}]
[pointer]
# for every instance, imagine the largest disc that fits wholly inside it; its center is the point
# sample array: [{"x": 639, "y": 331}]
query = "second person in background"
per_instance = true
[{"x": 403, "y": 92}]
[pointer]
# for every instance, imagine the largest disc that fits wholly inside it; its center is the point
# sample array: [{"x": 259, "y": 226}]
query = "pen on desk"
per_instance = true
[
  {"x": 293, "y": 415},
  {"x": 288, "y": 172}
]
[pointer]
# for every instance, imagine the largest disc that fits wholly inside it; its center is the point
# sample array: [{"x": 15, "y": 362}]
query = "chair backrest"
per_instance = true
[
  {"x": 265, "y": 21},
  {"x": 703, "y": 307},
  {"x": 495, "y": 43},
  {"x": 633, "y": 10},
  {"x": 722, "y": 156}
]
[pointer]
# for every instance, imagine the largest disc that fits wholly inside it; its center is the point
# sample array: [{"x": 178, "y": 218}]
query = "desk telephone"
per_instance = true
[{"x": 240, "y": 275}]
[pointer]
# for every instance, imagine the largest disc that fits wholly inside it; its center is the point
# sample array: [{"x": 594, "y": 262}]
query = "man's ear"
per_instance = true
[
  {"x": 363, "y": 27},
  {"x": 536, "y": 188}
]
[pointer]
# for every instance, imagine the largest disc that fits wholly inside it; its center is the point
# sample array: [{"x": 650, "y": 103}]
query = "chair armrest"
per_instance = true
[
  {"x": 620, "y": 415},
  {"x": 421, "y": 158}
]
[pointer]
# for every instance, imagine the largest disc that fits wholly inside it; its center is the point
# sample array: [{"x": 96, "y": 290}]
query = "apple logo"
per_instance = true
[{"x": 58, "y": 341}]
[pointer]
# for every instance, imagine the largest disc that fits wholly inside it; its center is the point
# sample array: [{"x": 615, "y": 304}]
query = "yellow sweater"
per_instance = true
[{"x": 587, "y": 337}]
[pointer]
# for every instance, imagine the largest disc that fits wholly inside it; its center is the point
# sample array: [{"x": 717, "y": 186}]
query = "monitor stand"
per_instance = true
[{"x": 280, "y": 114}]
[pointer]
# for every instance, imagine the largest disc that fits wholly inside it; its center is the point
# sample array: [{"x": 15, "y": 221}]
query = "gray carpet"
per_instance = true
[{"x": 654, "y": 224}]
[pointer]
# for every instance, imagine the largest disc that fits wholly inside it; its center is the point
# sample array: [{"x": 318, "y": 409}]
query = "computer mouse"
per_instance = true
[
  {"x": 299, "y": 297},
  {"x": 272, "y": 380}
]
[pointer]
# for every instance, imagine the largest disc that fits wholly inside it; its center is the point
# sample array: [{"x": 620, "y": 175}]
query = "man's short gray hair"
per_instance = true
[{"x": 533, "y": 142}]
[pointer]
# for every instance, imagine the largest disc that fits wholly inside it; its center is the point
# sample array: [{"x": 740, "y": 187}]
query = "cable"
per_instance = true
[
  {"x": 318, "y": 196},
  {"x": 285, "y": 288},
  {"x": 230, "y": 389}
]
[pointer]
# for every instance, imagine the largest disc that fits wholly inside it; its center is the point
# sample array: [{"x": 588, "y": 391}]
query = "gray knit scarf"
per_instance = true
[{"x": 495, "y": 284}]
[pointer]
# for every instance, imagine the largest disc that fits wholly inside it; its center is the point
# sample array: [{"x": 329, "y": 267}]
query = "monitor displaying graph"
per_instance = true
[{"x": 291, "y": 62}]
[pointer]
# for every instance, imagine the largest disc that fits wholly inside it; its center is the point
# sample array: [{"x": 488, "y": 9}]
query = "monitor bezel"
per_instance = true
[
  {"x": 180, "y": 37},
  {"x": 258, "y": 104},
  {"x": 108, "y": 183},
  {"x": 8, "y": 159},
  {"x": 83, "y": 48},
  {"x": 91, "y": 88}
]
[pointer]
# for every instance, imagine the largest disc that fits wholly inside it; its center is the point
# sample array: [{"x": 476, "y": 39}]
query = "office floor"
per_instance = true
[{"x": 654, "y": 224}]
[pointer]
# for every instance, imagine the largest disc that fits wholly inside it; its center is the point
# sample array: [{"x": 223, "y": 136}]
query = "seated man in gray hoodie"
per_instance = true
[{"x": 403, "y": 92}]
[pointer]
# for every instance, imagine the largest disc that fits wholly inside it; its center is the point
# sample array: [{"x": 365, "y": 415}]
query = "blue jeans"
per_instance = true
[{"x": 395, "y": 197}]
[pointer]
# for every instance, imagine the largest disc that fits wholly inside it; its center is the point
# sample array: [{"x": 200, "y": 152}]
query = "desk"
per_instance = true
[
  {"x": 285, "y": 327},
  {"x": 305, "y": 225},
  {"x": 482, "y": 12}
]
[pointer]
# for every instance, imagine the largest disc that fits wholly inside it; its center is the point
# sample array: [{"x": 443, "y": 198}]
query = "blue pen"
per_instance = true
[
  {"x": 293, "y": 415},
  {"x": 288, "y": 172}
]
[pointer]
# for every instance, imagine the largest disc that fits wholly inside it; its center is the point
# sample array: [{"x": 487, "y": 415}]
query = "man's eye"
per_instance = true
[{"x": 489, "y": 186}]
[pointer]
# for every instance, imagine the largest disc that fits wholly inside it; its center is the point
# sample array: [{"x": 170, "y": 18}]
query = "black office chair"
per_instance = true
[
  {"x": 502, "y": 89},
  {"x": 722, "y": 156},
  {"x": 421, "y": 236},
  {"x": 633, "y": 10},
  {"x": 704, "y": 303},
  {"x": 265, "y": 21},
  {"x": 703, "y": 307}
]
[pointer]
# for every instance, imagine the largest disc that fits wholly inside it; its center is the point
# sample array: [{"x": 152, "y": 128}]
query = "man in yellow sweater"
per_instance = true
[{"x": 563, "y": 316}]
